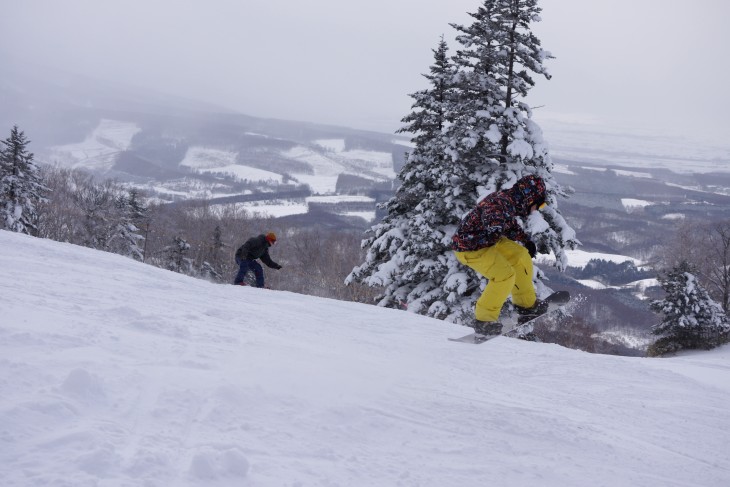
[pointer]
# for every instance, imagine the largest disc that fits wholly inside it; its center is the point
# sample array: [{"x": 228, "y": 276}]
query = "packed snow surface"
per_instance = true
[{"x": 114, "y": 373}]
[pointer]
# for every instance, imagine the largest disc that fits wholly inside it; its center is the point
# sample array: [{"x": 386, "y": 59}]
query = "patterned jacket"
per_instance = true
[{"x": 496, "y": 216}]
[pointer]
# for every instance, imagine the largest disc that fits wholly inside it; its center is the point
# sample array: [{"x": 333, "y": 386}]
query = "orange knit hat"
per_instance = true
[{"x": 271, "y": 237}]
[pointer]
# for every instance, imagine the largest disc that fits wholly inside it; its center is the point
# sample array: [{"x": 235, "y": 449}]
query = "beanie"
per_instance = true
[{"x": 271, "y": 237}]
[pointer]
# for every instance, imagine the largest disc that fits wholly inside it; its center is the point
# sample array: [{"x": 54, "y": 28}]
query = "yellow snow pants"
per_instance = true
[{"x": 508, "y": 267}]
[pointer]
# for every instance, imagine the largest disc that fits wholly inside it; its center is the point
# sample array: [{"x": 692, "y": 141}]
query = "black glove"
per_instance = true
[
  {"x": 531, "y": 249},
  {"x": 278, "y": 266}
]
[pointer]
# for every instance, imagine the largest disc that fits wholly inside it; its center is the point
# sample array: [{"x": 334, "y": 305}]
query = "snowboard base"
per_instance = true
[
  {"x": 475, "y": 338},
  {"x": 555, "y": 302}
]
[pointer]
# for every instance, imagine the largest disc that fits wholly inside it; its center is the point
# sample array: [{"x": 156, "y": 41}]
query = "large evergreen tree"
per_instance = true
[
  {"x": 690, "y": 318},
  {"x": 493, "y": 135},
  {"x": 485, "y": 142},
  {"x": 21, "y": 188},
  {"x": 401, "y": 254}
]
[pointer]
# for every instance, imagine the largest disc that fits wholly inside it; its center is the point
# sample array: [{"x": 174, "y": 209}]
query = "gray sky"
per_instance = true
[{"x": 642, "y": 63}]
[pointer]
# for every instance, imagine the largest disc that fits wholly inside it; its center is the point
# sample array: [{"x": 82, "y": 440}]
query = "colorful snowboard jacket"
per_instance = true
[{"x": 496, "y": 216}]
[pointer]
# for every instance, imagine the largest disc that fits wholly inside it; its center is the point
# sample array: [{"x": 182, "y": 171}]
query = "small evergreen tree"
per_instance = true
[
  {"x": 691, "y": 319},
  {"x": 21, "y": 188},
  {"x": 213, "y": 265},
  {"x": 208, "y": 272},
  {"x": 126, "y": 239},
  {"x": 176, "y": 257},
  {"x": 136, "y": 209}
]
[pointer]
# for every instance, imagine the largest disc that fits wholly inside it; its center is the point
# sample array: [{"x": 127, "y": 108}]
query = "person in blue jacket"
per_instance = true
[{"x": 247, "y": 254}]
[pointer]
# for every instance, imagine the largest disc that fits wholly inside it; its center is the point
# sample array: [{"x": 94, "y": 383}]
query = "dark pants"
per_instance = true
[{"x": 244, "y": 265}]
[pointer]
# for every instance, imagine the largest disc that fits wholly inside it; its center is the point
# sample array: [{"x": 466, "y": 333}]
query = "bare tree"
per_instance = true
[
  {"x": 718, "y": 269},
  {"x": 706, "y": 246}
]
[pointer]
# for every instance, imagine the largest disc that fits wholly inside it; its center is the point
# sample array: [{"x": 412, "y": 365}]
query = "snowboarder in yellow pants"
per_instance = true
[
  {"x": 487, "y": 241},
  {"x": 508, "y": 266}
]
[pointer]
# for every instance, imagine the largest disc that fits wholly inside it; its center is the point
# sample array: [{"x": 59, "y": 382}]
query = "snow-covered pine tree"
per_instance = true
[
  {"x": 406, "y": 247},
  {"x": 21, "y": 188},
  {"x": 487, "y": 141},
  {"x": 138, "y": 211},
  {"x": 126, "y": 238},
  {"x": 176, "y": 257},
  {"x": 97, "y": 205},
  {"x": 493, "y": 135},
  {"x": 208, "y": 272},
  {"x": 690, "y": 318}
]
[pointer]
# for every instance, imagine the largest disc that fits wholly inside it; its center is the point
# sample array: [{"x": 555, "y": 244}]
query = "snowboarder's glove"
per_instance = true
[
  {"x": 530, "y": 246},
  {"x": 278, "y": 266}
]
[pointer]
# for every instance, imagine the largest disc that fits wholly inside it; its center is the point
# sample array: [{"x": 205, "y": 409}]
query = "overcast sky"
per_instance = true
[{"x": 624, "y": 63}]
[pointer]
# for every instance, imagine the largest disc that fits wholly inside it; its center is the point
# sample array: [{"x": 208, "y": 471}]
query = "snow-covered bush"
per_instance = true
[{"x": 691, "y": 319}]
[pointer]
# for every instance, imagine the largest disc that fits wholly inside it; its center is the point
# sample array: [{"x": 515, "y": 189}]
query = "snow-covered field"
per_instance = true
[
  {"x": 114, "y": 373},
  {"x": 632, "y": 204},
  {"x": 246, "y": 173},
  {"x": 563, "y": 169},
  {"x": 378, "y": 161},
  {"x": 99, "y": 150},
  {"x": 335, "y": 161},
  {"x": 198, "y": 157},
  {"x": 638, "y": 287},
  {"x": 216, "y": 161},
  {"x": 273, "y": 209},
  {"x": 579, "y": 258},
  {"x": 591, "y": 142},
  {"x": 633, "y": 174},
  {"x": 281, "y": 208}
]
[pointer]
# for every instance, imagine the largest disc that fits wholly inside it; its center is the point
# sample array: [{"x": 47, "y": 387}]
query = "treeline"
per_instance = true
[
  {"x": 611, "y": 273},
  {"x": 197, "y": 241},
  {"x": 72, "y": 206}
]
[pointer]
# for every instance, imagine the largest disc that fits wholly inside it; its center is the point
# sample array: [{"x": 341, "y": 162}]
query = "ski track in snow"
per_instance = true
[{"x": 114, "y": 373}]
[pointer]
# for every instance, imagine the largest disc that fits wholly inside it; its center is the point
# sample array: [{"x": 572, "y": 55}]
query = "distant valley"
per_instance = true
[{"x": 628, "y": 190}]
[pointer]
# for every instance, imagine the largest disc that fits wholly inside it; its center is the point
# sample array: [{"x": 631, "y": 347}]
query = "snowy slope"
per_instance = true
[{"x": 114, "y": 373}]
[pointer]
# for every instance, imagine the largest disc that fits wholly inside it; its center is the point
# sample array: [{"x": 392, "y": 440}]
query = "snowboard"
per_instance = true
[{"x": 511, "y": 326}]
